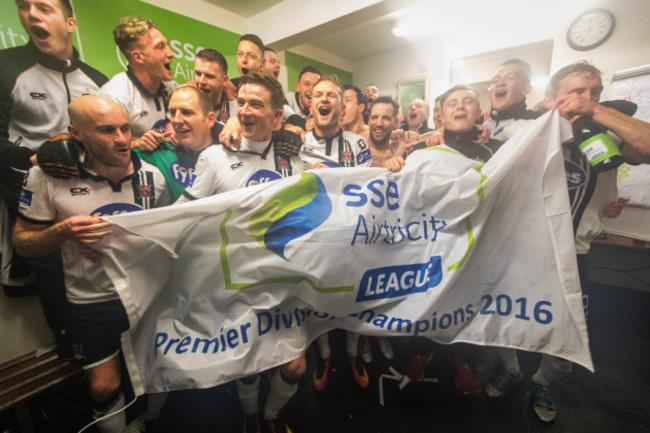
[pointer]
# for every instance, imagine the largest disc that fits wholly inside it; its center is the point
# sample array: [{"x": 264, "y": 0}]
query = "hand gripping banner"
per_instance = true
[{"x": 448, "y": 248}]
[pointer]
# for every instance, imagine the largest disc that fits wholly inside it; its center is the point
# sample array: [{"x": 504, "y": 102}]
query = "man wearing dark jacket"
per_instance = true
[
  {"x": 37, "y": 81},
  {"x": 460, "y": 109}
]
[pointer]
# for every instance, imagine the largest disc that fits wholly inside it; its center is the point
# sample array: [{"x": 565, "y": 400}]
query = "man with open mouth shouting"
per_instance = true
[
  {"x": 143, "y": 90},
  {"x": 508, "y": 89},
  {"x": 37, "y": 81},
  {"x": 250, "y": 56},
  {"x": 271, "y": 63},
  {"x": 251, "y": 59},
  {"x": 211, "y": 76},
  {"x": 328, "y": 143},
  {"x": 417, "y": 116},
  {"x": 300, "y": 101}
]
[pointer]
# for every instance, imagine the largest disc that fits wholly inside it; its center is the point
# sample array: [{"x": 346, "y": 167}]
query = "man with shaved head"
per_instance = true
[
  {"x": 66, "y": 214},
  {"x": 575, "y": 90}
]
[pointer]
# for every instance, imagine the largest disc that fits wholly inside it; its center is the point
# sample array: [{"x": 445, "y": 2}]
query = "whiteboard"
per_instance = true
[{"x": 634, "y": 85}]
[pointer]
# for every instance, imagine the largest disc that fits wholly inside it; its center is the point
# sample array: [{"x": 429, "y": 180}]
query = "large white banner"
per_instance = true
[{"x": 448, "y": 248}]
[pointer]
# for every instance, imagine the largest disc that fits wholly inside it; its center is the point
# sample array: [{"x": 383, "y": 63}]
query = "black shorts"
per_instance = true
[
  {"x": 583, "y": 270},
  {"x": 95, "y": 331}
]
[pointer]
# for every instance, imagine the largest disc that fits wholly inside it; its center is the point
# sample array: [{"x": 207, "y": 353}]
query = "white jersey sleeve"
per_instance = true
[
  {"x": 591, "y": 223},
  {"x": 206, "y": 183},
  {"x": 232, "y": 108},
  {"x": 288, "y": 112},
  {"x": 35, "y": 202},
  {"x": 362, "y": 152},
  {"x": 506, "y": 129}
]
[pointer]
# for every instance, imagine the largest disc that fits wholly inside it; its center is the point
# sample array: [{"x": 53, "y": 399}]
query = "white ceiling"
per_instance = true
[
  {"x": 365, "y": 39},
  {"x": 490, "y": 25},
  {"x": 245, "y": 8}
]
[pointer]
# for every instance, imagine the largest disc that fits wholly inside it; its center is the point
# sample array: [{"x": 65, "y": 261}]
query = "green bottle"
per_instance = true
[{"x": 598, "y": 147}]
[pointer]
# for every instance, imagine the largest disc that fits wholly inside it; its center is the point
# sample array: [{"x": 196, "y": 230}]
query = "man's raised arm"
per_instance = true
[{"x": 634, "y": 133}]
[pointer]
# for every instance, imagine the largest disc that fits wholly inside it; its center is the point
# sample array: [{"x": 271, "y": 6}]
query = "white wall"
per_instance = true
[
  {"x": 414, "y": 61},
  {"x": 478, "y": 70},
  {"x": 323, "y": 56},
  {"x": 23, "y": 327},
  {"x": 628, "y": 46}
]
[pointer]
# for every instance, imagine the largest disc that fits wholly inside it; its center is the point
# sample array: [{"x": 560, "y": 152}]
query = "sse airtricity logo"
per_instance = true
[{"x": 291, "y": 213}]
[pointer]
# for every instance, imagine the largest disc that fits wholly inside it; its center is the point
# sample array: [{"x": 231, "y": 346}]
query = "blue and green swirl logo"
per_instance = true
[{"x": 290, "y": 214}]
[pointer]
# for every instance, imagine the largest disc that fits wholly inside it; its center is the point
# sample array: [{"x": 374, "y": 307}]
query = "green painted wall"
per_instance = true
[
  {"x": 12, "y": 33},
  {"x": 185, "y": 36},
  {"x": 411, "y": 91},
  {"x": 97, "y": 18},
  {"x": 296, "y": 62}
]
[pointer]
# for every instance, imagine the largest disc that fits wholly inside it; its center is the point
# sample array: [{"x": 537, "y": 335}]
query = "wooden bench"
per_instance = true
[{"x": 25, "y": 377}]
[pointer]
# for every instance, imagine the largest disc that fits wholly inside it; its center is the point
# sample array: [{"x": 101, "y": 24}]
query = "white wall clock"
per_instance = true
[{"x": 590, "y": 29}]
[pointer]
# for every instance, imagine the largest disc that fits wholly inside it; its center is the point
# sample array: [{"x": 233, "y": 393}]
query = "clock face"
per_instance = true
[{"x": 590, "y": 29}]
